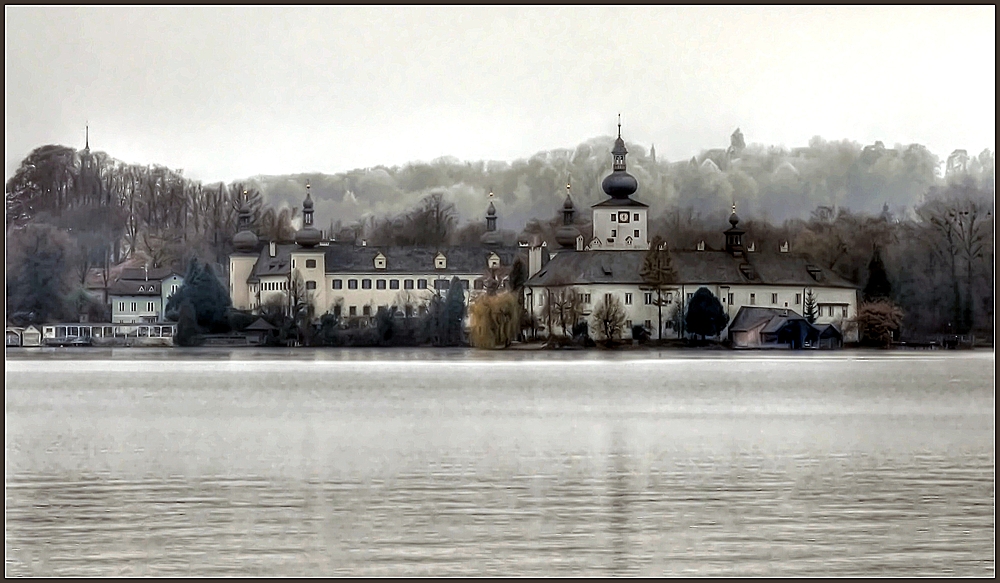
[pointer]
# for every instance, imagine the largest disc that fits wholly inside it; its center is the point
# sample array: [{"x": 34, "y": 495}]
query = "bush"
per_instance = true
[{"x": 640, "y": 333}]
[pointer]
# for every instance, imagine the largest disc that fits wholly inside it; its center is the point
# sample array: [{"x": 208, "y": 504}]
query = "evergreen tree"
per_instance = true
[
  {"x": 208, "y": 297},
  {"x": 705, "y": 316},
  {"x": 657, "y": 272},
  {"x": 878, "y": 286},
  {"x": 187, "y": 326},
  {"x": 809, "y": 307},
  {"x": 454, "y": 312}
]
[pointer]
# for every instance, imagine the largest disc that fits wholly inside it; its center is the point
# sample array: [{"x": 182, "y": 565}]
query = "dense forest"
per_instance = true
[{"x": 71, "y": 213}]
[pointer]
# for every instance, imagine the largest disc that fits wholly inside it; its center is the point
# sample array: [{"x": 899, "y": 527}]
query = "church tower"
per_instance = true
[{"x": 620, "y": 221}]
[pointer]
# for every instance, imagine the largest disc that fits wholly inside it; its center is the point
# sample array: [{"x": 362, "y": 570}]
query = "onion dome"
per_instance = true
[
  {"x": 619, "y": 184},
  {"x": 308, "y": 236},
  {"x": 245, "y": 241},
  {"x": 566, "y": 234},
  {"x": 491, "y": 236}
]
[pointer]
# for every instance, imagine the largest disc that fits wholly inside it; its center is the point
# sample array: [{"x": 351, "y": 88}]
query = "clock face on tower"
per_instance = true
[{"x": 623, "y": 217}]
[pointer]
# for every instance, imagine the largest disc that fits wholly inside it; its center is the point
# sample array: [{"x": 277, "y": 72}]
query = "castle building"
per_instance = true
[
  {"x": 351, "y": 280},
  {"x": 738, "y": 275}
]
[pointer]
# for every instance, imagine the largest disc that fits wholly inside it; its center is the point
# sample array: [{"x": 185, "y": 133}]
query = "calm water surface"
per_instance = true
[{"x": 409, "y": 462}]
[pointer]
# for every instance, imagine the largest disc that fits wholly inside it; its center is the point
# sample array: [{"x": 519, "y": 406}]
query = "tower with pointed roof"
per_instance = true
[
  {"x": 308, "y": 236},
  {"x": 734, "y": 235},
  {"x": 620, "y": 221},
  {"x": 567, "y": 233},
  {"x": 491, "y": 237}
]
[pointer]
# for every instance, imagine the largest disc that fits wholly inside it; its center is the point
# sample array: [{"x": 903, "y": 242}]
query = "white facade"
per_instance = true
[
  {"x": 835, "y": 305},
  {"x": 621, "y": 227},
  {"x": 135, "y": 309}
]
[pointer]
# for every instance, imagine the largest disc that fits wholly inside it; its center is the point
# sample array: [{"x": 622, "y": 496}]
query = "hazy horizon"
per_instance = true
[{"x": 234, "y": 93}]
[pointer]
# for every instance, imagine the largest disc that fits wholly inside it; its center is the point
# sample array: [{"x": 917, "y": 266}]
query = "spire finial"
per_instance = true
[
  {"x": 86, "y": 145},
  {"x": 619, "y": 125},
  {"x": 491, "y": 193},
  {"x": 569, "y": 180},
  {"x": 734, "y": 207}
]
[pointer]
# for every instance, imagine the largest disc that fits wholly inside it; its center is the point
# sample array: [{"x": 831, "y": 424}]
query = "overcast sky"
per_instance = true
[{"x": 228, "y": 93}]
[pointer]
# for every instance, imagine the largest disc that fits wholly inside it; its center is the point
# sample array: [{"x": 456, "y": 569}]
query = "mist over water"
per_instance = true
[{"x": 460, "y": 462}]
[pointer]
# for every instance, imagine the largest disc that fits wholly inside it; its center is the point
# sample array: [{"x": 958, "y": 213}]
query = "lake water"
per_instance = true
[{"x": 461, "y": 462}]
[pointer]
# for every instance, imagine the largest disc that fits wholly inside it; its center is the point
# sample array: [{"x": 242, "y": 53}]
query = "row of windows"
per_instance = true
[
  {"x": 409, "y": 311},
  {"x": 614, "y": 233},
  {"x": 150, "y": 306},
  {"x": 310, "y": 264},
  {"x": 668, "y": 298},
  {"x": 439, "y": 284},
  {"x": 623, "y": 218},
  {"x": 274, "y": 286}
]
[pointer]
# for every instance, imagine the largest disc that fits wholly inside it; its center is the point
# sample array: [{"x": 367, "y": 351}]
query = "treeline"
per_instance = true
[{"x": 771, "y": 183}]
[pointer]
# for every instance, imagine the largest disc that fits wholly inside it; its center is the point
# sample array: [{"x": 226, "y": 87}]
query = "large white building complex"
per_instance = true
[
  {"x": 739, "y": 276},
  {"x": 352, "y": 280}
]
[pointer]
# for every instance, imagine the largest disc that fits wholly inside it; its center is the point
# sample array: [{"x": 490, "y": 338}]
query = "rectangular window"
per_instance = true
[
  {"x": 774, "y": 298},
  {"x": 465, "y": 284},
  {"x": 380, "y": 284},
  {"x": 173, "y": 289},
  {"x": 670, "y": 298},
  {"x": 352, "y": 284},
  {"x": 648, "y": 298},
  {"x": 310, "y": 285},
  {"x": 336, "y": 310},
  {"x": 479, "y": 284},
  {"x": 121, "y": 306},
  {"x": 586, "y": 298},
  {"x": 635, "y": 233},
  {"x": 366, "y": 284},
  {"x": 798, "y": 299},
  {"x": 614, "y": 217},
  {"x": 407, "y": 284},
  {"x": 614, "y": 232},
  {"x": 831, "y": 311},
  {"x": 338, "y": 284},
  {"x": 753, "y": 299},
  {"x": 366, "y": 311},
  {"x": 293, "y": 264},
  {"x": 648, "y": 324},
  {"x": 689, "y": 296},
  {"x": 310, "y": 263},
  {"x": 393, "y": 284},
  {"x": 133, "y": 307},
  {"x": 730, "y": 298},
  {"x": 628, "y": 299},
  {"x": 149, "y": 306},
  {"x": 843, "y": 311},
  {"x": 635, "y": 217},
  {"x": 421, "y": 284},
  {"x": 354, "y": 310},
  {"x": 628, "y": 324},
  {"x": 607, "y": 298},
  {"x": 442, "y": 284}
]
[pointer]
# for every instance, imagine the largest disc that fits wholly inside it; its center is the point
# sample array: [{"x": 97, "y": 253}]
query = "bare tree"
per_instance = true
[{"x": 609, "y": 317}]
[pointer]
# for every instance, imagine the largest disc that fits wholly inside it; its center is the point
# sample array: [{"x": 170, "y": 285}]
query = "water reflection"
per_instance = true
[{"x": 341, "y": 468}]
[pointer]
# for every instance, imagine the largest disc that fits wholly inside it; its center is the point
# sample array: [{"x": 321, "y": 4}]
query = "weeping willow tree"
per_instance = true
[{"x": 494, "y": 320}]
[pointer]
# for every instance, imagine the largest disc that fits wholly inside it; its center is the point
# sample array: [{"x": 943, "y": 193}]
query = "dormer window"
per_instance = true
[
  {"x": 493, "y": 261},
  {"x": 380, "y": 261},
  {"x": 440, "y": 262},
  {"x": 784, "y": 247},
  {"x": 701, "y": 245}
]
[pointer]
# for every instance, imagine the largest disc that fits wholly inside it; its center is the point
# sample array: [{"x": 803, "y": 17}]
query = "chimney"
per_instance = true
[
  {"x": 534, "y": 260},
  {"x": 273, "y": 248}
]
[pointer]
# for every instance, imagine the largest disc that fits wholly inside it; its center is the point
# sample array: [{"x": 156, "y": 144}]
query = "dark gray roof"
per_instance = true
[
  {"x": 260, "y": 324},
  {"x": 341, "y": 258},
  {"x": 692, "y": 267},
  {"x": 140, "y": 274},
  {"x": 749, "y": 317},
  {"x": 127, "y": 287},
  {"x": 619, "y": 202},
  {"x": 346, "y": 257}
]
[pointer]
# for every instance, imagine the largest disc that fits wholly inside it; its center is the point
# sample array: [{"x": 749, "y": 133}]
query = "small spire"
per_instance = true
[
  {"x": 86, "y": 143},
  {"x": 734, "y": 208},
  {"x": 569, "y": 180},
  {"x": 619, "y": 125}
]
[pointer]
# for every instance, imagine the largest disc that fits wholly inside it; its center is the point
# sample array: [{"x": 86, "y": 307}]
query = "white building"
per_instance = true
[
  {"x": 351, "y": 280},
  {"x": 140, "y": 295},
  {"x": 610, "y": 265}
]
